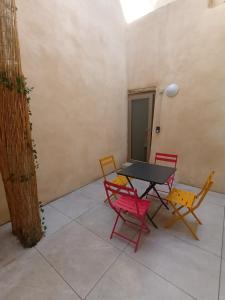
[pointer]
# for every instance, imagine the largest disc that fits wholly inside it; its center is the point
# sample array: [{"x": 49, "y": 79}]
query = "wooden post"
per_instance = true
[{"x": 17, "y": 163}]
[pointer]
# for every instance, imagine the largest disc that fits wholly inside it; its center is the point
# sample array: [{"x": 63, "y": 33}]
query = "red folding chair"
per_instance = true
[
  {"x": 171, "y": 160},
  {"x": 128, "y": 202}
]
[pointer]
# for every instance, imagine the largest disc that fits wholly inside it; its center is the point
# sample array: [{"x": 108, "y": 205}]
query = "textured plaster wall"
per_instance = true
[
  {"x": 184, "y": 42},
  {"x": 73, "y": 53}
]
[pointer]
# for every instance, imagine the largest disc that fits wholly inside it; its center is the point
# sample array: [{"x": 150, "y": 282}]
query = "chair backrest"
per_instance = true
[
  {"x": 106, "y": 163},
  {"x": 171, "y": 158},
  {"x": 206, "y": 187},
  {"x": 118, "y": 190}
]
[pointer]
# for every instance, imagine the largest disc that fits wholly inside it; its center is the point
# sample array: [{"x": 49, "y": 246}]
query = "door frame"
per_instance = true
[{"x": 134, "y": 96}]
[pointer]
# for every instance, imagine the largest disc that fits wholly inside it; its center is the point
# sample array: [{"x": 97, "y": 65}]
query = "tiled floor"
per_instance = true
[{"x": 76, "y": 260}]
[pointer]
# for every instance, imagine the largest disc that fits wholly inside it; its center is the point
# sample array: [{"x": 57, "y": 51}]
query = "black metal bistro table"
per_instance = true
[{"x": 154, "y": 174}]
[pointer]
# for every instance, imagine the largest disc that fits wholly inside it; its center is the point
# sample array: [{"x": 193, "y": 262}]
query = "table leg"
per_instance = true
[
  {"x": 151, "y": 186},
  {"x": 130, "y": 183},
  {"x": 157, "y": 210},
  {"x": 163, "y": 203},
  {"x": 151, "y": 220}
]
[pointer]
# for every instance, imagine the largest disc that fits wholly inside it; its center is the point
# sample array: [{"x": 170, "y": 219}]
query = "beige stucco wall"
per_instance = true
[
  {"x": 184, "y": 42},
  {"x": 160, "y": 3},
  {"x": 73, "y": 53}
]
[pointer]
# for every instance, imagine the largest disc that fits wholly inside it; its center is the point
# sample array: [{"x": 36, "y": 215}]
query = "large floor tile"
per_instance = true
[
  {"x": 31, "y": 276},
  {"x": 101, "y": 219},
  {"x": 79, "y": 256},
  {"x": 186, "y": 266},
  {"x": 95, "y": 191},
  {"x": 10, "y": 247},
  {"x": 223, "y": 250},
  {"x": 73, "y": 205},
  {"x": 12, "y": 292},
  {"x": 222, "y": 282},
  {"x": 215, "y": 198},
  {"x": 128, "y": 280},
  {"x": 209, "y": 233},
  {"x": 54, "y": 220}
]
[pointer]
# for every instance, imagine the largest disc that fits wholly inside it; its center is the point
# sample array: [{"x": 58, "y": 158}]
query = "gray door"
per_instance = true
[{"x": 141, "y": 108}]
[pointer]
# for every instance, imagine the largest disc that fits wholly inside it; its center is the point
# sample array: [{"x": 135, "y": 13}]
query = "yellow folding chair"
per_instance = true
[
  {"x": 189, "y": 201},
  {"x": 108, "y": 166}
]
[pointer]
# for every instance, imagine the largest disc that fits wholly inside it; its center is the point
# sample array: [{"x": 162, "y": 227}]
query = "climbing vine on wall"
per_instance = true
[
  {"x": 18, "y": 156},
  {"x": 21, "y": 87}
]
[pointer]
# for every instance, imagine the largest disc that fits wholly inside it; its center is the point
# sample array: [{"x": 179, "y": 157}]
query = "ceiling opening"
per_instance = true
[{"x": 135, "y": 9}]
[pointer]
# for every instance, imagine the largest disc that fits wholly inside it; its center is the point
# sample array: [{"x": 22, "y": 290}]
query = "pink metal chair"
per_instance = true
[
  {"x": 172, "y": 160},
  {"x": 128, "y": 202}
]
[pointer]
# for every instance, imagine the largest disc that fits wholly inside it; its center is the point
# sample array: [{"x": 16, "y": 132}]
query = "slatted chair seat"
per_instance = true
[
  {"x": 181, "y": 197},
  {"x": 120, "y": 180},
  {"x": 185, "y": 203},
  {"x": 129, "y": 204}
]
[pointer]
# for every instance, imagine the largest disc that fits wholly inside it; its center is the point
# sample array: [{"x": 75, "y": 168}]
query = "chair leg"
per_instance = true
[
  {"x": 181, "y": 218},
  {"x": 177, "y": 208},
  {"x": 114, "y": 227},
  {"x": 107, "y": 200},
  {"x": 146, "y": 229},
  {"x": 177, "y": 213},
  {"x": 171, "y": 222},
  {"x": 173, "y": 212},
  {"x": 139, "y": 235},
  {"x": 189, "y": 227},
  {"x": 195, "y": 216}
]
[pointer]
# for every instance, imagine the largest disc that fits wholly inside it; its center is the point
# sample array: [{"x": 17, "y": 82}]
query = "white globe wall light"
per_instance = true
[{"x": 172, "y": 90}]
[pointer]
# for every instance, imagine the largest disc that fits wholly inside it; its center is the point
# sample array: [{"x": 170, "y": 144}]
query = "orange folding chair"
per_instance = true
[
  {"x": 108, "y": 166},
  {"x": 189, "y": 202}
]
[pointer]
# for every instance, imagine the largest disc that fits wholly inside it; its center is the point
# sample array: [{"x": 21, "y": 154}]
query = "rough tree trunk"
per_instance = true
[{"x": 17, "y": 164}]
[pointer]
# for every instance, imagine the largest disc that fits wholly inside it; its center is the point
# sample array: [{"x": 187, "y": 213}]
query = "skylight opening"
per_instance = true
[{"x": 135, "y": 9}]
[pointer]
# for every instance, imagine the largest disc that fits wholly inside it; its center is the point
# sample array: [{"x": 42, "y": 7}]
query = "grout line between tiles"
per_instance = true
[
  {"x": 171, "y": 234},
  {"x": 59, "y": 211},
  {"x": 87, "y": 228},
  {"x": 88, "y": 210},
  {"x": 221, "y": 259},
  {"x": 157, "y": 274},
  {"x": 103, "y": 274},
  {"x": 74, "y": 190},
  {"x": 71, "y": 218},
  {"x": 47, "y": 236},
  {"x": 120, "y": 253},
  {"x": 48, "y": 262},
  {"x": 105, "y": 240},
  {"x": 124, "y": 252},
  {"x": 74, "y": 220},
  {"x": 190, "y": 244}
]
